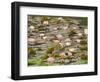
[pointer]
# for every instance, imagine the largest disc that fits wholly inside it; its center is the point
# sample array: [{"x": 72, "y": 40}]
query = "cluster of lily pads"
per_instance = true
[{"x": 57, "y": 40}]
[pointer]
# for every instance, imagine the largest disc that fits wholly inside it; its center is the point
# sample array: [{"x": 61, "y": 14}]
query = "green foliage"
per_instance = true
[
  {"x": 31, "y": 52},
  {"x": 84, "y": 21},
  {"x": 45, "y": 56},
  {"x": 30, "y": 62},
  {"x": 83, "y": 42},
  {"x": 44, "y": 18},
  {"x": 72, "y": 33},
  {"x": 63, "y": 48},
  {"x": 39, "y": 49},
  {"x": 50, "y": 50},
  {"x": 38, "y": 61},
  {"x": 80, "y": 62},
  {"x": 35, "y": 61},
  {"x": 84, "y": 57},
  {"x": 56, "y": 55},
  {"x": 83, "y": 47}
]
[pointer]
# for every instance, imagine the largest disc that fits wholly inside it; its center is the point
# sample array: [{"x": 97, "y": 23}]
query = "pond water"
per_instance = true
[{"x": 57, "y": 40}]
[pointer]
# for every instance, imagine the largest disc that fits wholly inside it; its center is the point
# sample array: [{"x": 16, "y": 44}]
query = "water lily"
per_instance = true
[
  {"x": 45, "y": 22},
  {"x": 72, "y": 49},
  {"x": 74, "y": 28},
  {"x": 86, "y": 31},
  {"x": 56, "y": 41},
  {"x": 68, "y": 40},
  {"x": 41, "y": 35},
  {"x": 62, "y": 55},
  {"x": 55, "y": 28},
  {"x": 60, "y": 18},
  {"x": 78, "y": 40},
  {"x": 31, "y": 40},
  {"x": 75, "y": 37},
  {"x": 51, "y": 60},
  {"x": 68, "y": 43},
  {"x": 69, "y": 54},
  {"x": 32, "y": 27},
  {"x": 59, "y": 36},
  {"x": 79, "y": 34},
  {"x": 45, "y": 37},
  {"x": 62, "y": 60},
  {"x": 61, "y": 44},
  {"x": 65, "y": 28}
]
